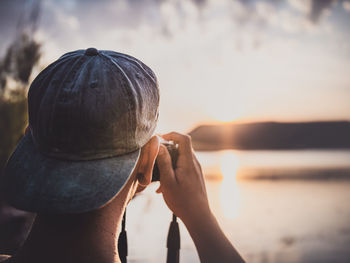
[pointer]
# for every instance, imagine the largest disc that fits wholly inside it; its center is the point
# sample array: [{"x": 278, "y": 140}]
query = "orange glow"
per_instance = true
[{"x": 226, "y": 108}]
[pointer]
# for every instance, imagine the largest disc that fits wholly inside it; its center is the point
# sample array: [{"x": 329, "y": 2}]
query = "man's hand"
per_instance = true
[
  {"x": 185, "y": 194},
  {"x": 183, "y": 188}
]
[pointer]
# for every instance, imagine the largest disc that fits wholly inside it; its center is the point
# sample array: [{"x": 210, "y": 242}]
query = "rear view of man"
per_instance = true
[{"x": 90, "y": 147}]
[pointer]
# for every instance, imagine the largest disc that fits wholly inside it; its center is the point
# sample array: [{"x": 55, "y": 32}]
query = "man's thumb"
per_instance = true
[{"x": 166, "y": 171}]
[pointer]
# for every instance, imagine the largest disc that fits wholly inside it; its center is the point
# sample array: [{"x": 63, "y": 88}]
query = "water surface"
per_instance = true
[{"x": 292, "y": 219}]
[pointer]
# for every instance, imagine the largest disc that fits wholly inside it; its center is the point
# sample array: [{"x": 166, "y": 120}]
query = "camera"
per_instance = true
[{"x": 174, "y": 154}]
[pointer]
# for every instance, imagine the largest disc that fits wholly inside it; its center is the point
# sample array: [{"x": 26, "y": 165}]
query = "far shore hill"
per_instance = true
[{"x": 272, "y": 136}]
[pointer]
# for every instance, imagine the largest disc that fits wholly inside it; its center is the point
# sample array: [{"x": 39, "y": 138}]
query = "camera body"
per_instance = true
[{"x": 174, "y": 154}]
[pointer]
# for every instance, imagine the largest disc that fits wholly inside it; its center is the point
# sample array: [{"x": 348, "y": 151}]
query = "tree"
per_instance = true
[{"x": 15, "y": 72}]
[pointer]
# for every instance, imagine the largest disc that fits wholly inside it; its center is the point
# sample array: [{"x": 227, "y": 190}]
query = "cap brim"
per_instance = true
[{"x": 37, "y": 183}]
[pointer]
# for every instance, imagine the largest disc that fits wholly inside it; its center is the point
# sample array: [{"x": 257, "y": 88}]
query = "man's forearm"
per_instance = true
[
  {"x": 185, "y": 194},
  {"x": 211, "y": 243}
]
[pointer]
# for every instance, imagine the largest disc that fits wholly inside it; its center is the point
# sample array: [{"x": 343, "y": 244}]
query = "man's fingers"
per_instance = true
[
  {"x": 166, "y": 171},
  {"x": 183, "y": 140}
]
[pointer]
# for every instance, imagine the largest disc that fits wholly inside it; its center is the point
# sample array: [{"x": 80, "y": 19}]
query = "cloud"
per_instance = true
[
  {"x": 346, "y": 6},
  {"x": 303, "y": 6},
  {"x": 313, "y": 9},
  {"x": 166, "y": 18},
  {"x": 319, "y": 8}
]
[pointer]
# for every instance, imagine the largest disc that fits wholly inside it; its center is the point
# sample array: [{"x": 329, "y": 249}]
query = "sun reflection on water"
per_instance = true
[{"x": 229, "y": 190}]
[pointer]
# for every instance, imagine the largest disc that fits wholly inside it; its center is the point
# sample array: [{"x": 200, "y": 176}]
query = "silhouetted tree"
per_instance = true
[{"x": 15, "y": 71}]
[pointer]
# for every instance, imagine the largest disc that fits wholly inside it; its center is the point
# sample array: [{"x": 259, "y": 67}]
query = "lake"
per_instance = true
[{"x": 275, "y": 206}]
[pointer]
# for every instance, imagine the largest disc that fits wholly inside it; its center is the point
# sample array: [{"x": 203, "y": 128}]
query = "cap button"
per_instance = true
[{"x": 91, "y": 52}]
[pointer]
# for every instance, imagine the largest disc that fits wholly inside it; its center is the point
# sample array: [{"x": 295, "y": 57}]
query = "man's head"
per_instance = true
[{"x": 90, "y": 113}]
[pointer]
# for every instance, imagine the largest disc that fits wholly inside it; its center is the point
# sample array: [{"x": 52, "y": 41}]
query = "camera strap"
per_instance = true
[
  {"x": 173, "y": 242},
  {"x": 123, "y": 242}
]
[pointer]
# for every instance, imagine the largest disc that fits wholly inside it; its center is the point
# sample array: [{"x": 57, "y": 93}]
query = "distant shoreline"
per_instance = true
[
  {"x": 309, "y": 174},
  {"x": 272, "y": 136}
]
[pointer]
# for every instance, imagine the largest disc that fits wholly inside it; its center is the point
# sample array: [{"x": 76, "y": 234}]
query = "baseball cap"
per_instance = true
[{"x": 90, "y": 112}]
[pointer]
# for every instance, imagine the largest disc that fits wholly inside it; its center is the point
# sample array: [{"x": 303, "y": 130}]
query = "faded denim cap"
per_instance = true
[{"x": 90, "y": 112}]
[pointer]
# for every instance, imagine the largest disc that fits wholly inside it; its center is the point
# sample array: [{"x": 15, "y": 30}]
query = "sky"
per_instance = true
[{"x": 216, "y": 60}]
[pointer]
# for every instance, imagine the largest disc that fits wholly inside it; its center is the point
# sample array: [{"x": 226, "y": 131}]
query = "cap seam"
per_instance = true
[
  {"x": 138, "y": 63},
  {"x": 54, "y": 65},
  {"x": 126, "y": 92}
]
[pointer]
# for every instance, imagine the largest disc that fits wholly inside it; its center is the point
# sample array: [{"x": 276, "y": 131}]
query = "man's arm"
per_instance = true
[{"x": 185, "y": 194}]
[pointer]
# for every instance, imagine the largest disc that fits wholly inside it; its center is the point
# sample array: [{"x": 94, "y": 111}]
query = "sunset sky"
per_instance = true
[{"x": 216, "y": 60}]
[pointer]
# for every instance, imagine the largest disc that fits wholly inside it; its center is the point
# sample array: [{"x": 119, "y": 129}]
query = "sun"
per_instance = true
[{"x": 226, "y": 112}]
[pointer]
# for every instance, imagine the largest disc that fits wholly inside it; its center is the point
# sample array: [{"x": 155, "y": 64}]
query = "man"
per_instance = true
[{"x": 89, "y": 149}]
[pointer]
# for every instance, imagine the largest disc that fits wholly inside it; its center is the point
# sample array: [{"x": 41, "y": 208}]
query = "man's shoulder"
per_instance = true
[{"x": 4, "y": 258}]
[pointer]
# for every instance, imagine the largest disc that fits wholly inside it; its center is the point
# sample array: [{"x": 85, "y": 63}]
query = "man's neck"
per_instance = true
[{"x": 88, "y": 237}]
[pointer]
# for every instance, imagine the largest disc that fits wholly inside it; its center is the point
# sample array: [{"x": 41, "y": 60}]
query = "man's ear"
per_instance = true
[{"x": 148, "y": 156}]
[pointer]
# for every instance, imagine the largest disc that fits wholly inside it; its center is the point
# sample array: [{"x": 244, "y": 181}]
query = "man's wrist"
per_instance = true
[{"x": 202, "y": 215}]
